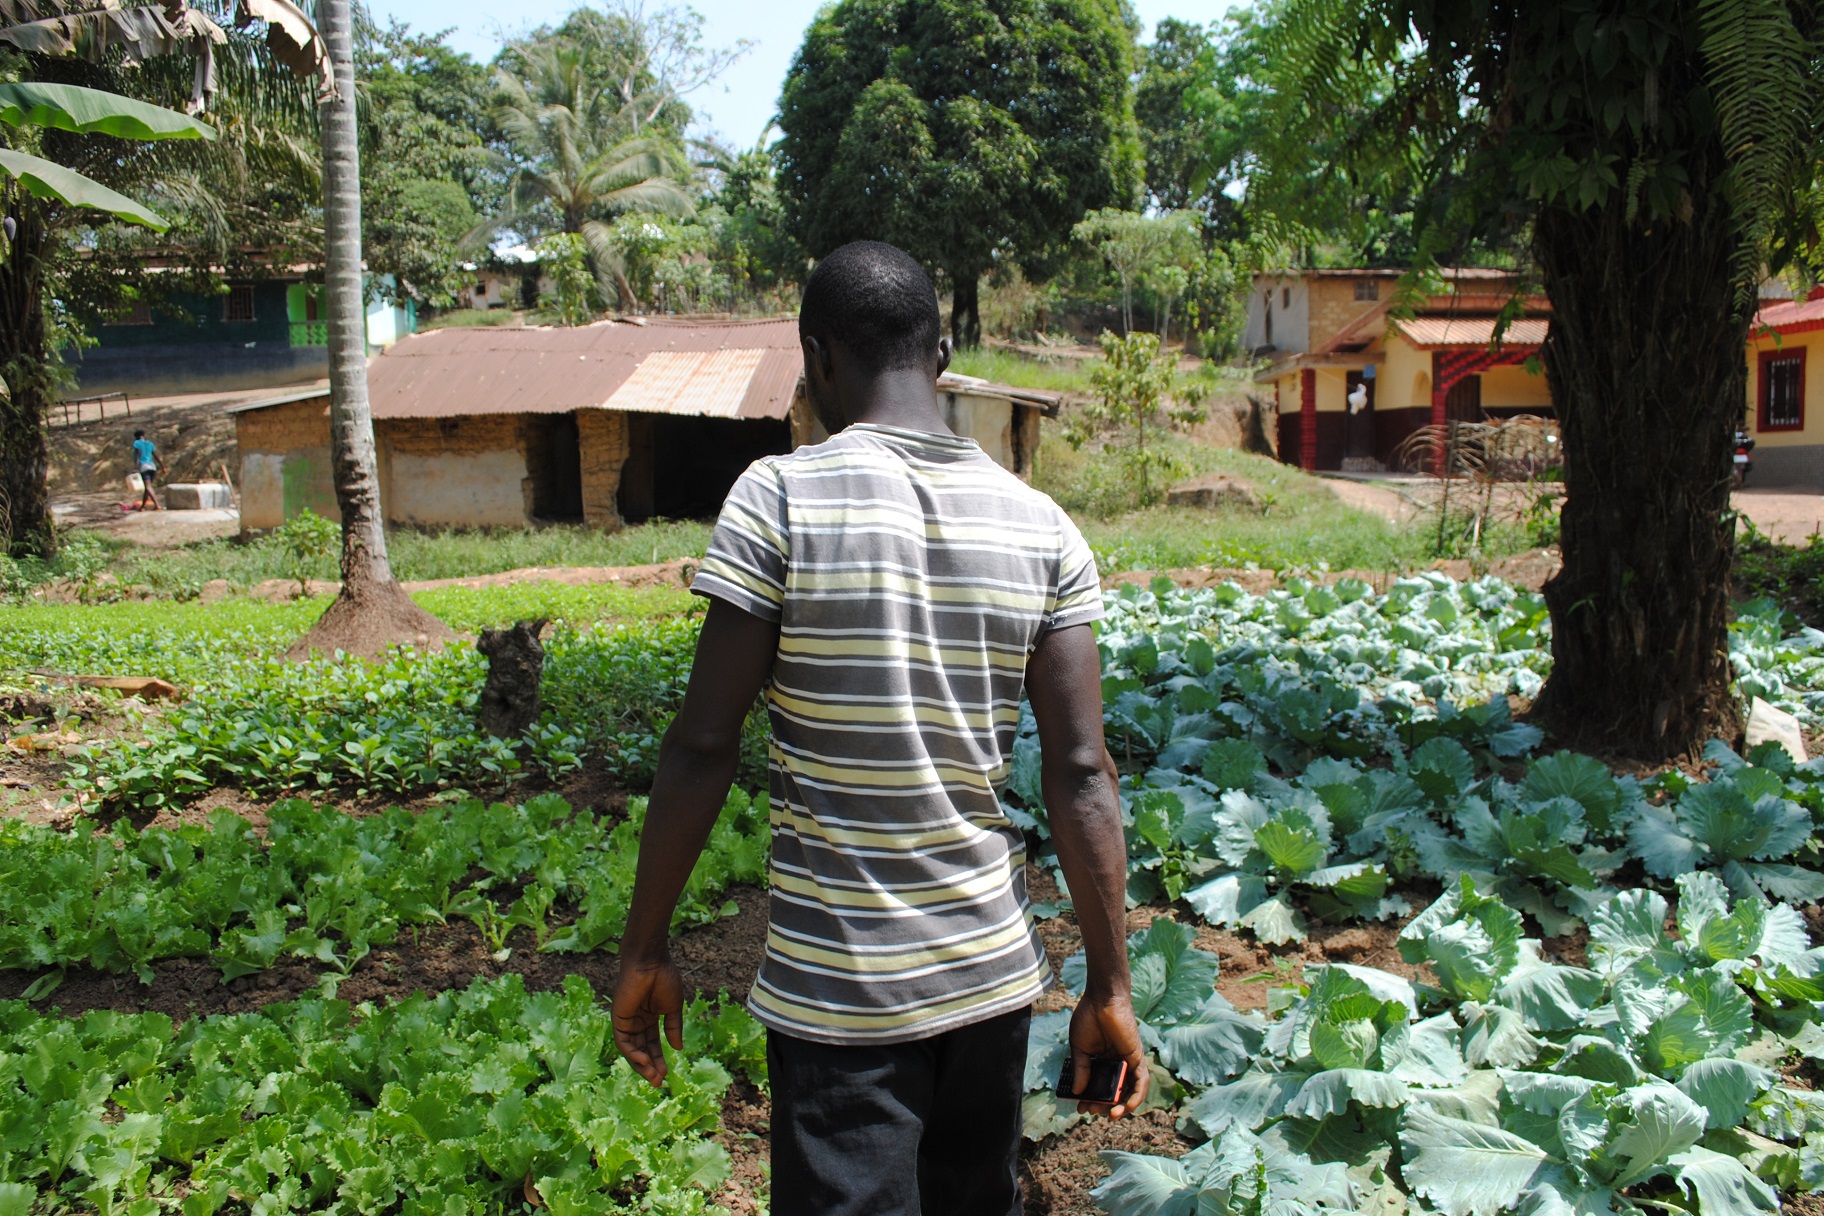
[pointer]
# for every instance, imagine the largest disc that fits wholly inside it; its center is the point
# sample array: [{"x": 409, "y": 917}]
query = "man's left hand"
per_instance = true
[{"x": 646, "y": 995}]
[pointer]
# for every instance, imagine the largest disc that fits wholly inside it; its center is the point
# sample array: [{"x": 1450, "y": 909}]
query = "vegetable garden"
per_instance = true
[{"x": 1581, "y": 991}]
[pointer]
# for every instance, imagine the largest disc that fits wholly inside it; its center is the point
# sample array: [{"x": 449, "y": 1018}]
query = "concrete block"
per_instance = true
[
  {"x": 1769, "y": 725},
  {"x": 197, "y": 496}
]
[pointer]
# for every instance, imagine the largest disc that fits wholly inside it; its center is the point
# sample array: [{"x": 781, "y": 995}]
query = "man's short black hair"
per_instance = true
[
  {"x": 875, "y": 300},
  {"x": 139, "y": 434}
]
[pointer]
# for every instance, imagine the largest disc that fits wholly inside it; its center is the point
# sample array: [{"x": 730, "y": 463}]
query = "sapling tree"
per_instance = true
[
  {"x": 1136, "y": 245},
  {"x": 1138, "y": 397}
]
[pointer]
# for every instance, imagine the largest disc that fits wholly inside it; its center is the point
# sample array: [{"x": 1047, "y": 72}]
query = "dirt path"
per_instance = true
[
  {"x": 193, "y": 431},
  {"x": 1788, "y": 515}
]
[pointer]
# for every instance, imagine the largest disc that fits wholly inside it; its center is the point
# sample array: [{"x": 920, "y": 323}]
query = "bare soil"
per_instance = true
[{"x": 368, "y": 620}]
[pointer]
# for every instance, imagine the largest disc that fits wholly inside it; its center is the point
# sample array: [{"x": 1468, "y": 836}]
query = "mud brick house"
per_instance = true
[
  {"x": 599, "y": 424},
  {"x": 1326, "y": 331}
]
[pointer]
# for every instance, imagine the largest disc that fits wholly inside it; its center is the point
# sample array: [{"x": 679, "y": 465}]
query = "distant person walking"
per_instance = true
[{"x": 150, "y": 465}]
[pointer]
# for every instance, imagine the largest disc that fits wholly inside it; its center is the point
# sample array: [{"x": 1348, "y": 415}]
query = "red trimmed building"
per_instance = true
[
  {"x": 1786, "y": 392},
  {"x": 1325, "y": 332}
]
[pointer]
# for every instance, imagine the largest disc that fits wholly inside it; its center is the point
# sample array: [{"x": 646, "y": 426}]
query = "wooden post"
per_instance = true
[{"x": 1307, "y": 419}]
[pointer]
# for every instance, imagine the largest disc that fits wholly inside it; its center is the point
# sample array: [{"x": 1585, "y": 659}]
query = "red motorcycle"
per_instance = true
[{"x": 1744, "y": 445}]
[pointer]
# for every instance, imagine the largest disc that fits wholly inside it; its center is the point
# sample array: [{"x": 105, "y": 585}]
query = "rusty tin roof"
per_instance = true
[
  {"x": 714, "y": 369},
  {"x": 720, "y": 369}
]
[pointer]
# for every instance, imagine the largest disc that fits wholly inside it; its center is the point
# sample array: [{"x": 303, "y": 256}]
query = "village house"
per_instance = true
[
  {"x": 599, "y": 424},
  {"x": 1326, "y": 332},
  {"x": 260, "y": 333},
  {"x": 1785, "y": 375}
]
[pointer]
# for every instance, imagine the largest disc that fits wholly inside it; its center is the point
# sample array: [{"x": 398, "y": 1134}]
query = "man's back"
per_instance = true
[
  {"x": 911, "y": 577},
  {"x": 891, "y": 591}
]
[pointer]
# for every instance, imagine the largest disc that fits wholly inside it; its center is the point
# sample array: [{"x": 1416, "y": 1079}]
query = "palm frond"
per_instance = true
[{"x": 1757, "y": 58}]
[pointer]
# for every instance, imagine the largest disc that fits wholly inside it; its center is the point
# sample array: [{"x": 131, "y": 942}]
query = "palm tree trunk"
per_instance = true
[
  {"x": 25, "y": 394},
  {"x": 372, "y": 613},
  {"x": 1644, "y": 354}
]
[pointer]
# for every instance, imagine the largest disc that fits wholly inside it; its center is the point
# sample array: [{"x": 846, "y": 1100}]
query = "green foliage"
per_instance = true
[
  {"x": 583, "y": 151},
  {"x": 574, "y": 298},
  {"x": 1520, "y": 1083},
  {"x": 425, "y": 175},
  {"x": 1140, "y": 247},
  {"x": 327, "y": 887},
  {"x": 466, "y": 1101},
  {"x": 407, "y": 724},
  {"x": 1191, "y": 1034},
  {"x": 414, "y": 554},
  {"x": 1136, "y": 387},
  {"x": 960, "y": 132},
  {"x": 1791, "y": 575},
  {"x": 308, "y": 540}
]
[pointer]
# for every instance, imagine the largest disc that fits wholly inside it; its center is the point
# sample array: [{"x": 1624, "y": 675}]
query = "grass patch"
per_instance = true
[
  {"x": 1020, "y": 371},
  {"x": 1302, "y": 523},
  {"x": 188, "y": 642},
  {"x": 420, "y": 555},
  {"x": 460, "y": 318},
  {"x": 1790, "y": 575}
]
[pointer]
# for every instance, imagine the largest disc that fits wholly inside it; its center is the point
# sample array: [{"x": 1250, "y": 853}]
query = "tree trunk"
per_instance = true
[
  {"x": 1645, "y": 359},
  {"x": 372, "y": 613},
  {"x": 965, "y": 311},
  {"x": 25, "y": 396}
]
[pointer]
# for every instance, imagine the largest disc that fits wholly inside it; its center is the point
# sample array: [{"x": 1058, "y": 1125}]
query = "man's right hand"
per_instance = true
[
  {"x": 1104, "y": 1028},
  {"x": 646, "y": 996}
]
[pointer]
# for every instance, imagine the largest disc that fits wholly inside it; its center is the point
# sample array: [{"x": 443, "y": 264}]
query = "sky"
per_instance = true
[{"x": 737, "y": 106}]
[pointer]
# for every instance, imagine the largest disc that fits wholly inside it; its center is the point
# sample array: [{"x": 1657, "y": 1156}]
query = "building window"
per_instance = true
[
  {"x": 1367, "y": 289},
  {"x": 1783, "y": 390},
  {"x": 137, "y": 313},
  {"x": 237, "y": 305}
]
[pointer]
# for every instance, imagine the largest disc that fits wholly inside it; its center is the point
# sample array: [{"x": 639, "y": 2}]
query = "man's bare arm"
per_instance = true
[
  {"x": 696, "y": 766},
  {"x": 1082, "y": 798}
]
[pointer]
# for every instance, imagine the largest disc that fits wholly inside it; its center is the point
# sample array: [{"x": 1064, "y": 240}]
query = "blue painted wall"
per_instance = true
[{"x": 199, "y": 351}]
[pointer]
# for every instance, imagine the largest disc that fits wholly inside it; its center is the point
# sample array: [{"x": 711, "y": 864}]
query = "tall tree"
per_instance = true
[
  {"x": 427, "y": 176},
  {"x": 63, "y": 268},
  {"x": 966, "y": 133},
  {"x": 372, "y": 612},
  {"x": 1654, "y": 155},
  {"x": 579, "y": 162}
]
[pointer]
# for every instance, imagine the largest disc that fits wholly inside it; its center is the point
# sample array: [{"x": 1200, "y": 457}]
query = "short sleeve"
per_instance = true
[
  {"x": 750, "y": 547},
  {"x": 1078, "y": 599}
]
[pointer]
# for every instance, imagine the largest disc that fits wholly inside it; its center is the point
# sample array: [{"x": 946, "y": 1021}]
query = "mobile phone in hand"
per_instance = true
[{"x": 1106, "y": 1080}]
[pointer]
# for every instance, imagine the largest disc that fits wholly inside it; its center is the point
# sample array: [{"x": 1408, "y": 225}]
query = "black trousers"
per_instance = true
[{"x": 926, "y": 1128}]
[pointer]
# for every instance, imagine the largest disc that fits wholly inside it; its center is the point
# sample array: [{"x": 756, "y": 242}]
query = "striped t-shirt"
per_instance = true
[{"x": 911, "y": 577}]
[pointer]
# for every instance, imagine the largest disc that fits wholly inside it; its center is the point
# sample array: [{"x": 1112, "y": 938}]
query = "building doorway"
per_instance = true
[
  {"x": 554, "y": 468},
  {"x": 683, "y": 467},
  {"x": 1463, "y": 403}
]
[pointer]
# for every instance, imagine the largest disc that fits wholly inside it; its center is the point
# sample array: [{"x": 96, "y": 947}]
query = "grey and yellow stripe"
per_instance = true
[{"x": 911, "y": 577}]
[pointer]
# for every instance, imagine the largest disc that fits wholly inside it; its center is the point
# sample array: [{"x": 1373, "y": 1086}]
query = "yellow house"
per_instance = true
[
  {"x": 1785, "y": 377},
  {"x": 1327, "y": 332}
]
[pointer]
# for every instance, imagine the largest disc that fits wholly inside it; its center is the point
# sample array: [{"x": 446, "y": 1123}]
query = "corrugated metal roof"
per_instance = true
[
  {"x": 1429, "y": 333},
  {"x": 715, "y": 369},
  {"x": 727, "y": 369},
  {"x": 1789, "y": 317}
]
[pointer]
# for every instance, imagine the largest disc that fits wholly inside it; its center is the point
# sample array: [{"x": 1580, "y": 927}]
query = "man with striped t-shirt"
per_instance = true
[{"x": 893, "y": 591}]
